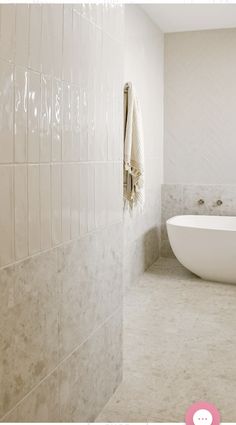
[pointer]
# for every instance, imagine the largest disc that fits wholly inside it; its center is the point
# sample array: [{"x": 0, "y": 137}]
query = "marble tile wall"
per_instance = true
[
  {"x": 181, "y": 199},
  {"x": 61, "y": 200},
  {"x": 144, "y": 58}
]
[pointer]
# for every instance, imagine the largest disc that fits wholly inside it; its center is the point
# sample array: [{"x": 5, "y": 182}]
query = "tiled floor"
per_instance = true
[{"x": 179, "y": 347}]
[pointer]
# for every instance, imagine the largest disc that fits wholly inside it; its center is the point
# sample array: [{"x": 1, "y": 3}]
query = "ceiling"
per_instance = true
[{"x": 191, "y": 17}]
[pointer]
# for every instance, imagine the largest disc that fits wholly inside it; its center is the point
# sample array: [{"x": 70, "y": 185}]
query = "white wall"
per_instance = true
[
  {"x": 200, "y": 107},
  {"x": 144, "y": 46}
]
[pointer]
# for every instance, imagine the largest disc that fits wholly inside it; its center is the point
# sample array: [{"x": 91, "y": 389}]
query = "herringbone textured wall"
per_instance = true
[{"x": 200, "y": 107}]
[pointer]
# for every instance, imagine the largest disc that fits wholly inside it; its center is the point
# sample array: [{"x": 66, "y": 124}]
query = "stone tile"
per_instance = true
[
  {"x": 166, "y": 250},
  {"x": 91, "y": 285},
  {"x": 179, "y": 344},
  {"x": 29, "y": 326},
  {"x": 131, "y": 403},
  {"x": 41, "y": 405},
  {"x": 171, "y": 204},
  {"x": 92, "y": 373},
  {"x": 134, "y": 264}
]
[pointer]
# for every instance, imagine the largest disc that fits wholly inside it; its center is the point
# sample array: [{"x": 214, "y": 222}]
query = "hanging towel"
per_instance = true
[{"x": 133, "y": 151}]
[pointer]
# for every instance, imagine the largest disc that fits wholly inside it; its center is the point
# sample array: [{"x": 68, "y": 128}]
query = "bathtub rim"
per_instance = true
[{"x": 174, "y": 221}]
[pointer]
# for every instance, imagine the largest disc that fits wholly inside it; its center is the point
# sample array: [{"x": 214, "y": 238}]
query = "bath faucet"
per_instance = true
[
  {"x": 219, "y": 202},
  {"x": 201, "y": 201}
]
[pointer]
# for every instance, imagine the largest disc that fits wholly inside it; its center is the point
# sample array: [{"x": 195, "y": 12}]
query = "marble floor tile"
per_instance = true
[{"x": 179, "y": 347}]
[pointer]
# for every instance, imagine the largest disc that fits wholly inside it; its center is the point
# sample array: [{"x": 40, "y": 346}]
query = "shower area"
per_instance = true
[
  {"x": 66, "y": 251},
  {"x": 98, "y": 320}
]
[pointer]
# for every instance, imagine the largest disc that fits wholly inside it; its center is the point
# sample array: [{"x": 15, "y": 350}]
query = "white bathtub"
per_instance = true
[{"x": 206, "y": 245}]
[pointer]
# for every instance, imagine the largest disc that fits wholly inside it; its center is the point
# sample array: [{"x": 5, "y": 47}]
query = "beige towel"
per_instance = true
[{"x": 133, "y": 150}]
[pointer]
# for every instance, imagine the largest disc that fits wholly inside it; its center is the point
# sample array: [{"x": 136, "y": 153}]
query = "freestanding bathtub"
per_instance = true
[{"x": 206, "y": 245}]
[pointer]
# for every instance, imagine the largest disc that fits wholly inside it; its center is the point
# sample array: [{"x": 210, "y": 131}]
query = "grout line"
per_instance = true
[
  {"x": 61, "y": 363},
  {"x": 61, "y": 244}
]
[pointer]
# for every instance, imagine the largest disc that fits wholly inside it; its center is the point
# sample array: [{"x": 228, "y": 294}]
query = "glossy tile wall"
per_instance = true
[
  {"x": 182, "y": 199},
  {"x": 61, "y": 200}
]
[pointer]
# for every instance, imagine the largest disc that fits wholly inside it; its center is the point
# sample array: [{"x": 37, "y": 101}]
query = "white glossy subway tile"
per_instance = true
[
  {"x": 21, "y": 212},
  {"x": 57, "y": 39},
  {"x": 67, "y": 123},
  {"x": 57, "y": 120},
  {"x": 34, "y": 100},
  {"x": 21, "y": 106},
  {"x": 66, "y": 202},
  {"x": 56, "y": 204},
  {"x": 100, "y": 195},
  {"x": 83, "y": 123},
  {"x": 6, "y": 112},
  {"x": 75, "y": 63},
  {"x": 75, "y": 123},
  {"x": 45, "y": 206},
  {"x": 34, "y": 209},
  {"x": 83, "y": 198},
  {"x": 7, "y": 34},
  {"x": 46, "y": 119},
  {"x": 6, "y": 215},
  {"x": 92, "y": 145},
  {"x": 47, "y": 39},
  {"x": 81, "y": 43},
  {"x": 35, "y": 34},
  {"x": 67, "y": 42},
  {"x": 75, "y": 201},
  {"x": 110, "y": 192},
  {"x": 52, "y": 39},
  {"x": 91, "y": 197},
  {"x": 22, "y": 35}
]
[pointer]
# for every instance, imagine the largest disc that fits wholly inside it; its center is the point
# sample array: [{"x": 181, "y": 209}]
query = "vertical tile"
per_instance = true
[
  {"x": 21, "y": 104},
  {"x": 7, "y": 34},
  {"x": 75, "y": 47},
  {"x": 83, "y": 123},
  {"x": 82, "y": 43},
  {"x": 92, "y": 145},
  {"x": 75, "y": 206},
  {"x": 35, "y": 37},
  {"x": 91, "y": 197},
  {"x": 101, "y": 98},
  {"x": 56, "y": 120},
  {"x": 6, "y": 215},
  {"x": 67, "y": 42},
  {"x": 6, "y": 112},
  {"x": 52, "y": 39},
  {"x": 21, "y": 212},
  {"x": 33, "y": 116},
  {"x": 47, "y": 39},
  {"x": 110, "y": 192},
  {"x": 45, "y": 206},
  {"x": 66, "y": 201},
  {"x": 75, "y": 123},
  {"x": 46, "y": 119},
  {"x": 57, "y": 39},
  {"x": 34, "y": 208},
  {"x": 100, "y": 195},
  {"x": 56, "y": 204},
  {"x": 83, "y": 198},
  {"x": 67, "y": 123},
  {"x": 118, "y": 191},
  {"x": 22, "y": 34}
]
